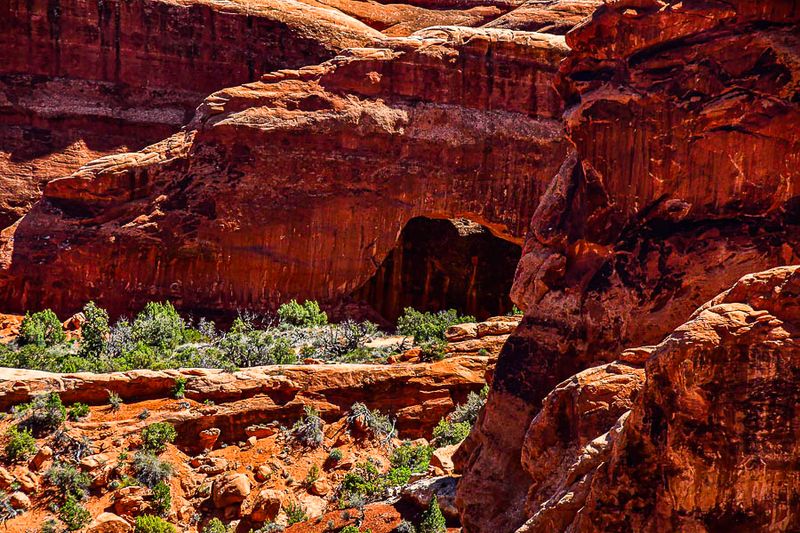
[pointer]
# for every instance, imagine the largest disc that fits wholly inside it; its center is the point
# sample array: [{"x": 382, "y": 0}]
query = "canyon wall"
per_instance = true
[
  {"x": 683, "y": 118},
  {"x": 299, "y": 185},
  {"x": 82, "y": 79}
]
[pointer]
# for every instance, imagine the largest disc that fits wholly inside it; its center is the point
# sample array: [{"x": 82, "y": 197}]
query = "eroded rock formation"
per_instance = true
[
  {"x": 705, "y": 443},
  {"x": 83, "y": 79},
  {"x": 299, "y": 185},
  {"x": 683, "y": 117}
]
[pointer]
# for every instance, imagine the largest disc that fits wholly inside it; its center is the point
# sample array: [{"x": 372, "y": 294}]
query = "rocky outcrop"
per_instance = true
[
  {"x": 704, "y": 443},
  {"x": 418, "y": 395},
  {"x": 84, "y": 79},
  {"x": 547, "y": 16},
  {"x": 683, "y": 179},
  {"x": 244, "y": 208}
]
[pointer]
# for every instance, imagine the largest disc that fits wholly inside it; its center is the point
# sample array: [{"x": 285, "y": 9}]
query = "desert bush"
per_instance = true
[
  {"x": 215, "y": 525},
  {"x": 415, "y": 458},
  {"x": 115, "y": 401},
  {"x": 336, "y": 341},
  {"x": 312, "y": 475},
  {"x": 446, "y": 432},
  {"x": 309, "y": 429},
  {"x": 432, "y": 519},
  {"x": 156, "y": 436},
  {"x": 432, "y": 350},
  {"x": 179, "y": 390},
  {"x": 20, "y": 444},
  {"x": 73, "y": 514},
  {"x": 162, "y": 498},
  {"x": 152, "y": 524},
  {"x": 43, "y": 414},
  {"x": 49, "y": 526},
  {"x": 304, "y": 315},
  {"x": 429, "y": 326},
  {"x": 68, "y": 479},
  {"x": 151, "y": 470},
  {"x": 295, "y": 513},
  {"x": 456, "y": 426},
  {"x": 94, "y": 331},
  {"x": 405, "y": 527},
  {"x": 42, "y": 329},
  {"x": 335, "y": 455},
  {"x": 245, "y": 346},
  {"x": 77, "y": 411},
  {"x": 379, "y": 425},
  {"x": 159, "y": 325}
]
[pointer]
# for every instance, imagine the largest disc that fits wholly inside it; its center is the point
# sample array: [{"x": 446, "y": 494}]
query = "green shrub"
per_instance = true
[
  {"x": 215, "y": 525},
  {"x": 42, "y": 329},
  {"x": 335, "y": 455},
  {"x": 49, "y": 526},
  {"x": 433, "y": 350},
  {"x": 77, "y": 411},
  {"x": 415, "y": 458},
  {"x": 307, "y": 314},
  {"x": 446, "y": 432},
  {"x": 312, "y": 475},
  {"x": 73, "y": 514},
  {"x": 377, "y": 424},
  {"x": 343, "y": 340},
  {"x": 20, "y": 444},
  {"x": 159, "y": 325},
  {"x": 456, "y": 426},
  {"x": 245, "y": 346},
  {"x": 432, "y": 519},
  {"x": 43, "y": 414},
  {"x": 94, "y": 331},
  {"x": 309, "y": 429},
  {"x": 405, "y": 527},
  {"x": 179, "y": 391},
  {"x": 295, "y": 513},
  {"x": 152, "y": 524},
  {"x": 162, "y": 498},
  {"x": 156, "y": 436},
  {"x": 115, "y": 401},
  {"x": 429, "y": 326},
  {"x": 69, "y": 480},
  {"x": 151, "y": 470}
]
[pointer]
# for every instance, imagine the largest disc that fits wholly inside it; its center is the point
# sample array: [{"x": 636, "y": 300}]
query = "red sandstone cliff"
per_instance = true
[
  {"x": 677, "y": 189},
  {"x": 683, "y": 117},
  {"x": 83, "y": 79},
  {"x": 299, "y": 184}
]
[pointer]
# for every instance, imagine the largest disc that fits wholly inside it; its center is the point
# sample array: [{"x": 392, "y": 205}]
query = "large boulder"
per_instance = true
[{"x": 230, "y": 489}]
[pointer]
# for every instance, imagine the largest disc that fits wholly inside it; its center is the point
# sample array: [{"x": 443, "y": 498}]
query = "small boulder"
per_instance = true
[
  {"x": 44, "y": 454},
  {"x": 230, "y": 489},
  {"x": 263, "y": 506},
  {"x": 320, "y": 487},
  {"x": 442, "y": 458},
  {"x": 208, "y": 438},
  {"x": 130, "y": 501},
  {"x": 263, "y": 473},
  {"x": 444, "y": 487},
  {"x": 20, "y": 501},
  {"x": 109, "y": 523}
]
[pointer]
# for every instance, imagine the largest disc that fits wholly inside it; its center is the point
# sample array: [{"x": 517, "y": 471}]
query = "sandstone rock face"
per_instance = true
[
  {"x": 708, "y": 443},
  {"x": 683, "y": 179},
  {"x": 83, "y": 79},
  {"x": 547, "y": 16},
  {"x": 393, "y": 132},
  {"x": 419, "y": 395}
]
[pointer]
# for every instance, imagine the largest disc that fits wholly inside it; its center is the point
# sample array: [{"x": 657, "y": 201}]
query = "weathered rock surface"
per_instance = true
[
  {"x": 683, "y": 179},
  {"x": 366, "y": 141},
  {"x": 546, "y": 16},
  {"x": 708, "y": 443},
  {"x": 83, "y": 79},
  {"x": 419, "y": 395}
]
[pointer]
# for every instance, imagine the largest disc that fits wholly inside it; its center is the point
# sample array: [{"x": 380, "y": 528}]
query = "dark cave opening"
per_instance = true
[{"x": 442, "y": 264}]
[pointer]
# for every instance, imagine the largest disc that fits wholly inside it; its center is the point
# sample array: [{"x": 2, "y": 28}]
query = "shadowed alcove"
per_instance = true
[{"x": 441, "y": 264}]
